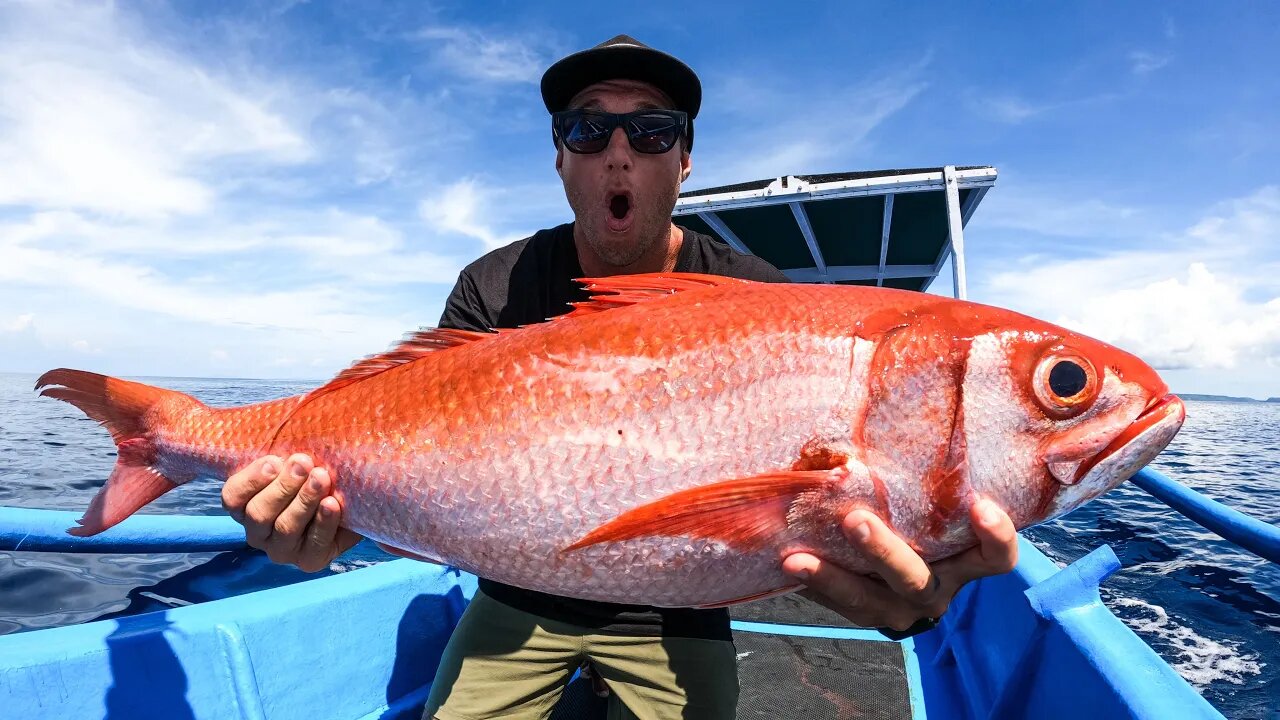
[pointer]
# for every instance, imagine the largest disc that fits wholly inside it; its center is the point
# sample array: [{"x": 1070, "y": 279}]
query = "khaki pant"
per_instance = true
[{"x": 505, "y": 663}]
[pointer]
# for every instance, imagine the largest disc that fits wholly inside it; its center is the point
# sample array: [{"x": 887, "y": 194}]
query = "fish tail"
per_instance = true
[{"x": 131, "y": 412}]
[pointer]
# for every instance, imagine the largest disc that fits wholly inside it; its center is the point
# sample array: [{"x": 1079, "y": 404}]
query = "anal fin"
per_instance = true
[
  {"x": 398, "y": 552},
  {"x": 752, "y": 598}
]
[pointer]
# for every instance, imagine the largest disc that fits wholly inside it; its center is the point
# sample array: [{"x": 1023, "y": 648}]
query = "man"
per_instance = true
[{"x": 622, "y": 124}]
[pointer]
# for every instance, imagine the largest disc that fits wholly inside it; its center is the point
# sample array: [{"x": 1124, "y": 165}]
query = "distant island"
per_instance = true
[{"x": 1225, "y": 398}]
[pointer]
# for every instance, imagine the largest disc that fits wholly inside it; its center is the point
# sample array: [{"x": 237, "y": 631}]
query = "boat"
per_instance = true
[{"x": 239, "y": 637}]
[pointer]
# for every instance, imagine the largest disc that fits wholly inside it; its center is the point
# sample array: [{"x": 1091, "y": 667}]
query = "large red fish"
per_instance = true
[{"x": 669, "y": 442}]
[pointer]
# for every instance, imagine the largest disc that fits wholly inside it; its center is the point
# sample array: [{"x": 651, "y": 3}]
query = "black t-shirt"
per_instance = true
[{"x": 530, "y": 281}]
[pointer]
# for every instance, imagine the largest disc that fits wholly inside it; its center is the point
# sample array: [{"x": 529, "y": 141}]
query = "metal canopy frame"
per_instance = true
[{"x": 801, "y": 193}]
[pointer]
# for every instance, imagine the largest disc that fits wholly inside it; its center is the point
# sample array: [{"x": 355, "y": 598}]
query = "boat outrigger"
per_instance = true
[{"x": 226, "y": 640}]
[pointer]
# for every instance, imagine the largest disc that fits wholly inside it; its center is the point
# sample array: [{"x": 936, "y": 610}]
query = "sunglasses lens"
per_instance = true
[
  {"x": 584, "y": 133},
  {"x": 654, "y": 133}
]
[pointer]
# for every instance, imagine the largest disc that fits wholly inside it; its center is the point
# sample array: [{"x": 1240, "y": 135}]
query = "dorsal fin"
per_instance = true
[
  {"x": 415, "y": 345},
  {"x": 623, "y": 290}
]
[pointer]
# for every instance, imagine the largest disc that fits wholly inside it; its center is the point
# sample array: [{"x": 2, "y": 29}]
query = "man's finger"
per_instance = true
[
  {"x": 262, "y": 511},
  {"x": 242, "y": 486},
  {"x": 292, "y": 522},
  {"x": 860, "y": 599},
  {"x": 996, "y": 552},
  {"x": 318, "y": 548},
  {"x": 892, "y": 558}
]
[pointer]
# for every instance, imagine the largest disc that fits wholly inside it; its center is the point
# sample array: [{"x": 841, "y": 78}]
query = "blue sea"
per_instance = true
[{"x": 1212, "y": 611}]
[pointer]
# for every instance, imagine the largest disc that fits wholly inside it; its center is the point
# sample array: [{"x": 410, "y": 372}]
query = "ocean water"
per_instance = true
[{"x": 1210, "y": 610}]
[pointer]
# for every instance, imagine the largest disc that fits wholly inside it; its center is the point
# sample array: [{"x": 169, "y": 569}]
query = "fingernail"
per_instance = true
[
  {"x": 862, "y": 532},
  {"x": 314, "y": 484},
  {"x": 988, "y": 513},
  {"x": 298, "y": 471},
  {"x": 269, "y": 469}
]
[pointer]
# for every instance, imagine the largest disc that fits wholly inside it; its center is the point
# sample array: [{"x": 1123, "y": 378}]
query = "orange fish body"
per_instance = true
[{"x": 671, "y": 441}]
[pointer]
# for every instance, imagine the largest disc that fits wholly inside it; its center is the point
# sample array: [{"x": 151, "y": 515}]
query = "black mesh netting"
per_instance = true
[
  {"x": 795, "y": 677},
  {"x": 817, "y": 678}
]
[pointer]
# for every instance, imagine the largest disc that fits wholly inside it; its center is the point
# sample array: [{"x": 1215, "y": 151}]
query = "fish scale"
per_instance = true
[{"x": 670, "y": 442}]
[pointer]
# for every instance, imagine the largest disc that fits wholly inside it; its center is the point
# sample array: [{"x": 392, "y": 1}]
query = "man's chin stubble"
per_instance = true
[{"x": 619, "y": 255}]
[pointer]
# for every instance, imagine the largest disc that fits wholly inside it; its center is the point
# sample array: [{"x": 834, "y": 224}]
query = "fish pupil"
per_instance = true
[{"x": 1067, "y": 379}]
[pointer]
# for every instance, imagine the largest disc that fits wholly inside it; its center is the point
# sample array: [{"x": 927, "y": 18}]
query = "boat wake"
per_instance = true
[{"x": 1201, "y": 661}]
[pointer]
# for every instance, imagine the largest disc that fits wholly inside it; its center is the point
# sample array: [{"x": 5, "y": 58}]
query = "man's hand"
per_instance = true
[
  {"x": 286, "y": 510},
  {"x": 909, "y": 589}
]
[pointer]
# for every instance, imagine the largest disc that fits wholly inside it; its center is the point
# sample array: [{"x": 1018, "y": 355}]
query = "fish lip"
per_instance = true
[{"x": 1158, "y": 410}]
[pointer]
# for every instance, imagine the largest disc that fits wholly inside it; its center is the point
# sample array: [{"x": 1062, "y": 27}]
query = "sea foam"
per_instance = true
[{"x": 1201, "y": 661}]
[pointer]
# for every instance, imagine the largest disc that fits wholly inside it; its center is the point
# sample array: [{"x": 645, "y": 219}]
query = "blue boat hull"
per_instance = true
[{"x": 365, "y": 644}]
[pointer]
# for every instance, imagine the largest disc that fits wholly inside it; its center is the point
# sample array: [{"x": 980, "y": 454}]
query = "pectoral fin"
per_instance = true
[{"x": 745, "y": 513}]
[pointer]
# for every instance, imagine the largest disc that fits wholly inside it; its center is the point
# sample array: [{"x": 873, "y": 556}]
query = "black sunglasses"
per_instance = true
[{"x": 652, "y": 132}]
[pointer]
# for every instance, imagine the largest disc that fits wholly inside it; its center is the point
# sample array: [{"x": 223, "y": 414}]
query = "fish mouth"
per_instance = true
[
  {"x": 619, "y": 206},
  {"x": 1163, "y": 415}
]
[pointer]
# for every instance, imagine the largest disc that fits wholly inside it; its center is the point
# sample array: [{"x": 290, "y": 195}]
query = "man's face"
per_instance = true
[{"x": 622, "y": 199}]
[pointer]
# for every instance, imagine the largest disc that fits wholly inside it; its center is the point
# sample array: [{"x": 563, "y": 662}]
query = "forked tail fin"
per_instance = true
[{"x": 131, "y": 412}]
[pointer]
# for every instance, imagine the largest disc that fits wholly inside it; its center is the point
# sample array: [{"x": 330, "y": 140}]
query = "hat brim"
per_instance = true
[{"x": 571, "y": 75}]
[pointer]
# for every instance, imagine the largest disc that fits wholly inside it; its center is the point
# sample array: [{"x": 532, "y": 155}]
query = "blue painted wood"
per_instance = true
[
  {"x": 1259, "y": 538},
  {"x": 342, "y": 646},
  {"x": 365, "y": 644},
  {"x": 1038, "y": 642},
  {"x": 32, "y": 530}
]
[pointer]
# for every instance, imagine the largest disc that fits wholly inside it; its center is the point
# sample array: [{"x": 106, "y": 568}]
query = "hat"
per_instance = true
[{"x": 627, "y": 58}]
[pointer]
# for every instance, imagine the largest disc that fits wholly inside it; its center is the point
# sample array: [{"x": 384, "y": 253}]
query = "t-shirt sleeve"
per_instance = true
[
  {"x": 464, "y": 310},
  {"x": 757, "y": 269}
]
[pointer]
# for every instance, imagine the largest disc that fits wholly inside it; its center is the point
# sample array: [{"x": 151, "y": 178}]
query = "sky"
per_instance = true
[{"x": 274, "y": 190}]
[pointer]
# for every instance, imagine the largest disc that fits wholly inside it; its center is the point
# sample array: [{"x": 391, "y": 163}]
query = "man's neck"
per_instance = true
[{"x": 661, "y": 257}]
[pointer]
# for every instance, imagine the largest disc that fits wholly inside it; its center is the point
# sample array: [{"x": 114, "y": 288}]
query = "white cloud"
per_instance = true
[
  {"x": 1144, "y": 62},
  {"x": 18, "y": 324},
  {"x": 327, "y": 287},
  {"x": 84, "y": 347},
  {"x": 94, "y": 115},
  {"x": 332, "y": 242},
  {"x": 473, "y": 209},
  {"x": 1008, "y": 108},
  {"x": 1195, "y": 320},
  {"x": 175, "y": 199},
  {"x": 1206, "y": 299},
  {"x": 1013, "y": 109},
  {"x": 478, "y": 55},
  {"x": 1248, "y": 223}
]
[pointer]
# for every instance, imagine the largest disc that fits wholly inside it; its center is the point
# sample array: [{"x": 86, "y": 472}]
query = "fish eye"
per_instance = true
[
  {"x": 1066, "y": 384},
  {"x": 1067, "y": 379}
]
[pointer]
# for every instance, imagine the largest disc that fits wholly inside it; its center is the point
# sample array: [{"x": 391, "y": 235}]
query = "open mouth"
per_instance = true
[
  {"x": 619, "y": 217},
  {"x": 1158, "y": 411}
]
